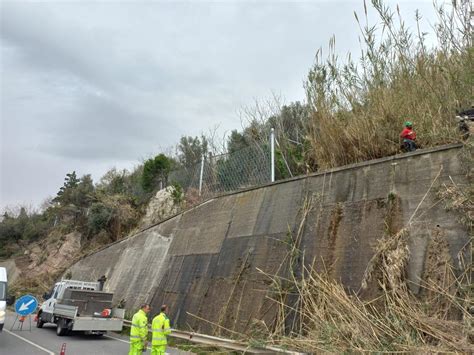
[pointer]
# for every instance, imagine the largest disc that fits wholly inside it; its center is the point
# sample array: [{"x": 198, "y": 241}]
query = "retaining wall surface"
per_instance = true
[
  {"x": 209, "y": 263},
  {"x": 131, "y": 266}
]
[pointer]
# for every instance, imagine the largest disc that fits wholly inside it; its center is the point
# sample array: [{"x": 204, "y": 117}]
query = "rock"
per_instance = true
[
  {"x": 160, "y": 207},
  {"x": 54, "y": 259}
]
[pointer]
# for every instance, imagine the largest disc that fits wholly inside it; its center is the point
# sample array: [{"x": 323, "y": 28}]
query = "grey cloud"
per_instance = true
[
  {"x": 95, "y": 84},
  {"x": 103, "y": 129}
]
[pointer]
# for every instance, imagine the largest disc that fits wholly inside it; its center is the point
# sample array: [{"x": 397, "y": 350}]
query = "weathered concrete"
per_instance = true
[
  {"x": 132, "y": 266},
  {"x": 204, "y": 262}
]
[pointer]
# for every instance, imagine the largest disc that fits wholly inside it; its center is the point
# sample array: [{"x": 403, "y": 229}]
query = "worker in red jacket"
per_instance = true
[{"x": 408, "y": 137}]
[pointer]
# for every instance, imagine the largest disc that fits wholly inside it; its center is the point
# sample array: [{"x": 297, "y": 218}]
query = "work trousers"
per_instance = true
[
  {"x": 136, "y": 348},
  {"x": 158, "y": 349},
  {"x": 410, "y": 145}
]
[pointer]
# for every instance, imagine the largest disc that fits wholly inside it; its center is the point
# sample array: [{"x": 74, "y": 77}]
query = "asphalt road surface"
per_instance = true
[{"x": 45, "y": 341}]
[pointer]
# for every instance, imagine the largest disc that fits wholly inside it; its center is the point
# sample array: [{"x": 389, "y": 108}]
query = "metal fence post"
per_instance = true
[
  {"x": 272, "y": 148},
  {"x": 201, "y": 174}
]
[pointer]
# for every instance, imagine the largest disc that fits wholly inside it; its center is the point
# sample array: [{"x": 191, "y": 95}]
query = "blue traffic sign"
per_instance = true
[{"x": 26, "y": 305}]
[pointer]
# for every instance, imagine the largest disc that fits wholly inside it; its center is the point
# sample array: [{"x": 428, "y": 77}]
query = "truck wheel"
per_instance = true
[
  {"x": 61, "y": 328},
  {"x": 40, "y": 322}
]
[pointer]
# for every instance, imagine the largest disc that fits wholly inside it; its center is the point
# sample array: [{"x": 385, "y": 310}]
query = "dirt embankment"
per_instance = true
[{"x": 42, "y": 262}]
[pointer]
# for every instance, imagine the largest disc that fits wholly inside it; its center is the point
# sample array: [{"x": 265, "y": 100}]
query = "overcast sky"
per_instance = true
[{"x": 89, "y": 85}]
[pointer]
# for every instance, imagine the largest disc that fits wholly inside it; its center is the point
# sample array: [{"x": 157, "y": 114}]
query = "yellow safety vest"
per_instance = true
[
  {"x": 160, "y": 328},
  {"x": 139, "y": 328}
]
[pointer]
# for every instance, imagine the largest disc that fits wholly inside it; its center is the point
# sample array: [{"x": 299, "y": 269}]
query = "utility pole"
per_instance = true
[{"x": 201, "y": 174}]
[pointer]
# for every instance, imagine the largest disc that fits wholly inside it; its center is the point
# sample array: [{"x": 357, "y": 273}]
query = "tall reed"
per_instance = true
[{"x": 358, "y": 108}]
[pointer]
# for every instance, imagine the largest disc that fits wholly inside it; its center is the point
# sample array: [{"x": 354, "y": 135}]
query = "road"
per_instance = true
[{"x": 45, "y": 341}]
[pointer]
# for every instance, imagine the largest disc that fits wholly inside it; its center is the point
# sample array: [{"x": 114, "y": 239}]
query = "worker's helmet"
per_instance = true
[{"x": 408, "y": 124}]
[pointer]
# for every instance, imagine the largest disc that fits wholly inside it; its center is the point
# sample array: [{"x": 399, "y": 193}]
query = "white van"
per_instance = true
[{"x": 4, "y": 299}]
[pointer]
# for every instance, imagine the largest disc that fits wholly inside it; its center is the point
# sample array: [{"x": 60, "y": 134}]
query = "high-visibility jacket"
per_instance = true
[
  {"x": 139, "y": 328},
  {"x": 160, "y": 328}
]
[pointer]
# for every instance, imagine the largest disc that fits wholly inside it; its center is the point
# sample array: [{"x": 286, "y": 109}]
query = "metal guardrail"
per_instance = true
[{"x": 223, "y": 342}]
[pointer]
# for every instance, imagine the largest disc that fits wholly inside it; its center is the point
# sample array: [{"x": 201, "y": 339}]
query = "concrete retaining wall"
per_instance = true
[{"x": 204, "y": 262}]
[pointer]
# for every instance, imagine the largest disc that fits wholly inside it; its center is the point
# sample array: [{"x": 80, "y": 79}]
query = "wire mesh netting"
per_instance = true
[{"x": 224, "y": 173}]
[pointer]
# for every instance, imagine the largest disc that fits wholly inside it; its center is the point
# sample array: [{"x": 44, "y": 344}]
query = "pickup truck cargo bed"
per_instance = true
[{"x": 87, "y": 301}]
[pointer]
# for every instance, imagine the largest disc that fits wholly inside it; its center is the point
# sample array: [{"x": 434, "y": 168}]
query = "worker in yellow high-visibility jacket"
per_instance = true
[
  {"x": 139, "y": 330},
  {"x": 160, "y": 328}
]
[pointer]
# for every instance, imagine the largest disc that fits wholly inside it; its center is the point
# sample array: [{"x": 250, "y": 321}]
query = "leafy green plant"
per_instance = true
[
  {"x": 99, "y": 217},
  {"x": 177, "y": 193}
]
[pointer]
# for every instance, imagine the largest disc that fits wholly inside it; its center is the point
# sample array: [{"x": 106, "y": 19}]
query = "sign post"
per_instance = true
[{"x": 24, "y": 306}]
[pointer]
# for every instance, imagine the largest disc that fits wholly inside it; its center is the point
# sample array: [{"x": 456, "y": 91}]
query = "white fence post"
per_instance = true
[
  {"x": 272, "y": 148},
  {"x": 201, "y": 174}
]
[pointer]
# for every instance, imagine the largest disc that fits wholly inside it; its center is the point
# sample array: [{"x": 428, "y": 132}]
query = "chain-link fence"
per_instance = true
[{"x": 217, "y": 174}]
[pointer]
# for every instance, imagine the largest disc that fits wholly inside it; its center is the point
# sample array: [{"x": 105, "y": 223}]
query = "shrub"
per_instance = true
[
  {"x": 177, "y": 193},
  {"x": 99, "y": 217}
]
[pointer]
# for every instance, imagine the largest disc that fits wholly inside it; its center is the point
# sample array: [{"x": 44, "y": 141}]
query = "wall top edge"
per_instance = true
[{"x": 396, "y": 157}]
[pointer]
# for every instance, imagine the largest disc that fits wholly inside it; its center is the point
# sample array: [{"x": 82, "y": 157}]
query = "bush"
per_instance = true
[
  {"x": 177, "y": 193},
  {"x": 99, "y": 217}
]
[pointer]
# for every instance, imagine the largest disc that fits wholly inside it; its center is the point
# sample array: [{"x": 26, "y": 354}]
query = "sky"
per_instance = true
[{"x": 92, "y": 85}]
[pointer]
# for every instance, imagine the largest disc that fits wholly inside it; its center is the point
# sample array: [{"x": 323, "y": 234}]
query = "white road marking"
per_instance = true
[
  {"x": 29, "y": 342},
  {"x": 123, "y": 341}
]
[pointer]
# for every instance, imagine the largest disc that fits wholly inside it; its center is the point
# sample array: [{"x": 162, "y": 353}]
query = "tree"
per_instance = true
[
  {"x": 16, "y": 228},
  {"x": 236, "y": 142},
  {"x": 114, "y": 182},
  {"x": 155, "y": 170},
  {"x": 191, "y": 150},
  {"x": 84, "y": 192},
  {"x": 63, "y": 196}
]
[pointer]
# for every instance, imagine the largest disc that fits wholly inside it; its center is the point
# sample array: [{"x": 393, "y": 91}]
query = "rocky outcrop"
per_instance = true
[
  {"x": 54, "y": 257},
  {"x": 162, "y": 206},
  {"x": 44, "y": 259}
]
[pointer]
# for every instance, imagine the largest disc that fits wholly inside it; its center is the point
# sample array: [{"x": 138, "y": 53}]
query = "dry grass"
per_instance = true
[
  {"x": 329, "y": 318},
  {"x": 333, "y": 320},
  {"x": 358, "y": 108},
  {"x": 459, "y": 199}
]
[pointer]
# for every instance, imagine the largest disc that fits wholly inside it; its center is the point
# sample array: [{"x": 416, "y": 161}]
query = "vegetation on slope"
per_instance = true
[
  {"x": 358, "y": 109},
  {"x": 354, "y": 111}
]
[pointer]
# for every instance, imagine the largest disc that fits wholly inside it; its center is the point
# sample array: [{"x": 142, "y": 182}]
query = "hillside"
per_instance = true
[{"x": 358, "y": 245}]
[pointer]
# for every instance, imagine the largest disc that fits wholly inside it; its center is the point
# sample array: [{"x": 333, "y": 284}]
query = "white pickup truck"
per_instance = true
[{"x": 80, "y": 306}]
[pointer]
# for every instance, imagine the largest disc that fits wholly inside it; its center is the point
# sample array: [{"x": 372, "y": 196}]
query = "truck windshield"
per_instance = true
[{"x": 3, "y": 289}]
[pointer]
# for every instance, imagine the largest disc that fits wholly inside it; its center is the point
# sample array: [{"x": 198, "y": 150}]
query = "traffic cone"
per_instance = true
[{"x": 63, "y": 349}]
